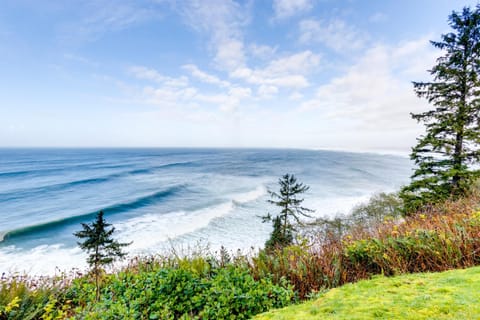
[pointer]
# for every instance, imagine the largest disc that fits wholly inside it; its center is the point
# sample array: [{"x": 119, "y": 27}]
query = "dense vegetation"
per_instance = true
[
  {"x": 153, "y": 288},
  {"x": 191, "y": 289}
]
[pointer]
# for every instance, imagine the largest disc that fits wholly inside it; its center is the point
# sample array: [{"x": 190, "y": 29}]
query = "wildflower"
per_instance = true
[{"x": 12, "y": 304}]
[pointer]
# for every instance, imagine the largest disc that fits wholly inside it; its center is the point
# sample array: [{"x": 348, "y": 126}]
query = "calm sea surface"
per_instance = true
[{"x": 162, "y": 197}]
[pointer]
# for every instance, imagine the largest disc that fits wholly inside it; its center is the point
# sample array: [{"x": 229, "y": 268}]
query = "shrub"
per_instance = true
[{"x": 184, "y": 291}]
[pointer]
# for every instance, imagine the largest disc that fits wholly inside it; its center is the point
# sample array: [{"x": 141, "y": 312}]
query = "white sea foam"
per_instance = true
[
  {"x": 155, "y": 229},
  {"x": 41, "y": 260},
  {"x": 329, "y": 207},
  {"x": 150, "y": 233},
  {"x": 389, "y": 152},
  {"x": 151, "y": 230},
  {"x": 250, "y": 196}
]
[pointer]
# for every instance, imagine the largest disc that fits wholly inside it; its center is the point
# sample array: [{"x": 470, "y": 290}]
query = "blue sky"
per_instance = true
[{"x": 205, "y": 73}]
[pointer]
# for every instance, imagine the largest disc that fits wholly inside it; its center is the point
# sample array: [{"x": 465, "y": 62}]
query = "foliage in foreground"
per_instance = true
[
  {"x": 447, "y": 295},
  {"x": 23, "y": 297},
  {"x": 177, "y": 293},
  {"x": 187, "y": 288}
]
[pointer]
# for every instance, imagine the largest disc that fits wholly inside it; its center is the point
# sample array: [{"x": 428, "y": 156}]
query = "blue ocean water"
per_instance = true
[{"x": 155, "y": 197}]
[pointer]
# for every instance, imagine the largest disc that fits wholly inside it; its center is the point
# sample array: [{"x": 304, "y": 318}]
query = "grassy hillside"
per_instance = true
[{"x": 448, "y": 295}]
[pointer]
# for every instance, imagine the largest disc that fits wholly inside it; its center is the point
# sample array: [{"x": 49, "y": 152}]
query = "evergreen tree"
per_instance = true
[
  {"x": 445, "y": 154},
  {"x": 291, "y": 209},
  {"x": 100, "y": 246},
  {"x": 280, "y": 237}
]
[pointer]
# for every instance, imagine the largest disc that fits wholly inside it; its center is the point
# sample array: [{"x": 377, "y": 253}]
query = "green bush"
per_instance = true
[{"x": 180, "y": 293}]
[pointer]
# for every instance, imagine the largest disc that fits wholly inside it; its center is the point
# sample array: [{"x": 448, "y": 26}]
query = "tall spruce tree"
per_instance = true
[
  {"x": 100, "y": 246},
  {"x": 445, "y": 154},
  {"x": 290, "y": 213}
]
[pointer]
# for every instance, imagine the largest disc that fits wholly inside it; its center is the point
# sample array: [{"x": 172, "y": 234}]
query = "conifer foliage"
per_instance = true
[
  {"x": 445, "y": 154},
  {"x": 100, "y": 246},
  {"x": 290, "y": 213}
]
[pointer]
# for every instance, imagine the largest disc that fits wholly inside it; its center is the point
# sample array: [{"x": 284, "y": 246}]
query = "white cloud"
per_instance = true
[
  {"x": 176, "y": 82},
  {"x": 289, "y": 71},
  {"x": 98, "y": 17},
  {"x": 176, "y": 93},
  {"x": 301, "y": 63},
  {"x": 222, "y": 21},
  {"x": 413, "y": 56},
  {"x": 375, "y": 94},
  {"x": 240, "y": 92},
  {"x": 205, "y": 77},
  {"x": 145, "y": 73},
  {"x": 261, "y": 77},
  {"x": 365, "y": 108},
  {"x": 262, "y": 51},
  {"x": 296, "y": 96},
  {"x": 226, "y": 101},
  {"x": 230, "y": 54},
  {"x": 335, "y": 34},
  {"x": 266, "y": 91},
  {"x": 287, "y": 8},
  {"x": 167, "y": 96}
]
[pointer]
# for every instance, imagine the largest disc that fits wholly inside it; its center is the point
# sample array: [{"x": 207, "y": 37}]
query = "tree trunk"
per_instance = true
[
  {"x": 97, "y": 271},
  {"x": 457, "y": 160},
  {"x": 461, "y": 119},
  {"x": 97, "y": 288},
  {"x": 285, "y": 219}
]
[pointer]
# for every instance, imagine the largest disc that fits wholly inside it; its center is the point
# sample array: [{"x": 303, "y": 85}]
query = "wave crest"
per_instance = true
[{"x": 114, "y": 209}]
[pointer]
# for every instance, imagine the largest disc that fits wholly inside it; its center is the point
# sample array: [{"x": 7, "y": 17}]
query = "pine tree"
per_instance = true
[
  {"x": 445, "y": 154},
  {"x": 280, "y": 237},
  {"x": 100, "y": 246},
  {"x": 291, "y": 209}
]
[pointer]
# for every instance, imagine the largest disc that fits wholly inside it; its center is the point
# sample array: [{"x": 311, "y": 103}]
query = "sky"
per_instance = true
[{"x": 324, "y": 74}]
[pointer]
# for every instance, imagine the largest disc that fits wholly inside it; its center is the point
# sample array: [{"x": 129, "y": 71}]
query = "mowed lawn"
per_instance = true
[{"x": 452, "y": 294}]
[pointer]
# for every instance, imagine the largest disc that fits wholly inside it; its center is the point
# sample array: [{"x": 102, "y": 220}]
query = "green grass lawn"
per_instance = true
[{"x": 447, "y": 295}]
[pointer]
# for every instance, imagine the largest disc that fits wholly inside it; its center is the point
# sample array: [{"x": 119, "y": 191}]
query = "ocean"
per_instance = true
[{"x": 159, "y": 198}]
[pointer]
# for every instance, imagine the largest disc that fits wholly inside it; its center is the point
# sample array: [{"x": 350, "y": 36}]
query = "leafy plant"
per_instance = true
[{"x": 181, "y": 292}]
